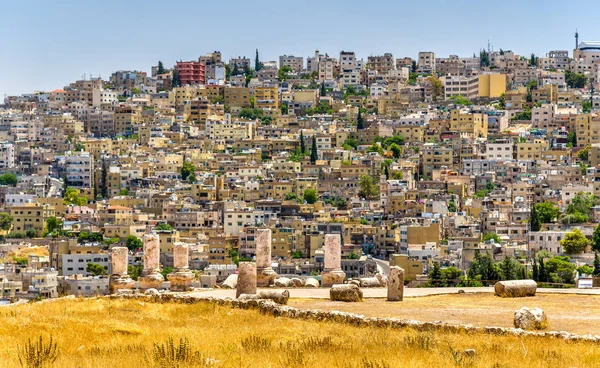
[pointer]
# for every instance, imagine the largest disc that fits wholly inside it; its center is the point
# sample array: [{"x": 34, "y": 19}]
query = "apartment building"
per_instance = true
[
  {"x": 347, "y": 60},
  {"x": 79, "y": 169},
  {"x": 125, "y": 118},
  {"x": 237, "y": 97},
  {"x": 296, "y": 63},
  {"x": 435, "y": 157},
  {"x": 467, "y": 87},
  {"x": 475, "y": 124},
  {"x": 426, "y": 62},
  {"x": 191, "y": 72},
  {"x": 266, "y": 98},
  {"x": 381, "y": 63},
  {"x": 7, "y": 156},
  {"x": 31, "y": 216},
  {"x": 491, "y": 85}
]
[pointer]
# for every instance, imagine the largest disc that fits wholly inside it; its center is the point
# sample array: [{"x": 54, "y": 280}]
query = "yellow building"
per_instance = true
[
  {"x": 219, "y": 247},
  {"x": 416, "y": 235},
  {"x": 266, "y": 98},
  {"x": 470, "y": 123},
  {"x": 237, "y": 97},
  {"x": 167, "y": 239},
  {"x": 492, "y": 85},
  {"x": 125, "y": 118},
  {"x": 411, "y": 268},
  {"x": 31, "y": 216},
  {"x": 531, "y": 150},
  {"x": 587, "y": 129}
]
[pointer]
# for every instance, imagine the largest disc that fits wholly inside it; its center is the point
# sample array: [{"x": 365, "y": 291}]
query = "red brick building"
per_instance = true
[{"x": 191, "y": 72}]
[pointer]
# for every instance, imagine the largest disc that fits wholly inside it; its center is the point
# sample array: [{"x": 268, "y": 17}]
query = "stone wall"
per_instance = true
[{"x": 276, "y": 310}]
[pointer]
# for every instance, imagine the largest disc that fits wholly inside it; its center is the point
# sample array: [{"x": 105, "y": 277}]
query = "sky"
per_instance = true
[{"x": 45, "y": 45}]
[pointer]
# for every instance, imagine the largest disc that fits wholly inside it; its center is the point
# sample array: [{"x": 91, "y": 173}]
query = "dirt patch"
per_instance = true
[{"x": 573, "y": 313}]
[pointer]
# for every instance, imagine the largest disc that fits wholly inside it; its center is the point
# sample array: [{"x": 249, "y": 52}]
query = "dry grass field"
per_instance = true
[
  {"x": 573, "y": 313},
  {"x": 104, "y": 333}
]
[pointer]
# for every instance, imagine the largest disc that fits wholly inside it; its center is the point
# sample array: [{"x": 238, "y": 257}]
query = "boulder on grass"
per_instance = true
[
  {"x": 345, "y": 293},
  {"x": 515, "y": 288},
  {"x": 531, "y": 319}
]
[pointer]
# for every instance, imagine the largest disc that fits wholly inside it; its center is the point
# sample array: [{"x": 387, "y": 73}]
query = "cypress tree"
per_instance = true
[
  {"x": 323, "y": 92},
  {"x": 596, "y": 264},
  {"x": 387, "y": 172},
  {"x": 313, "y": 150},
  {"x": 360, "y": 124},
  {"x": 302, "y": 144},
  {"x": 257, "y": 65},
  {"x": 534, "y": 270},
  {"x": 542, "y": 271},
  {"x": 103, "y": 191},
  {"x": 534, "y": 220}
]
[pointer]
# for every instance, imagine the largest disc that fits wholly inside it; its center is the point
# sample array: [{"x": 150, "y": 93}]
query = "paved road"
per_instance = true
[
  {"x": 323, "y": 293},
  {"x": 382, "y": 266}
]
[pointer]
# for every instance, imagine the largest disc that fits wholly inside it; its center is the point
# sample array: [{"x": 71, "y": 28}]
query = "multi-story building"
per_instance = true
[
  {"x": 426, "y": 62},
  {"x": 347, "y": 60},
  {"x": 266, "y": 98},
  {"x": 382, "y": 63},
  {"x": 31, "y": 216},
  {"x": 191, "y": 72},
  {"x": 296, "y": 63},
  {"x": 467, "y": 87},
  {"x": 475, "y": 124},
  {"x": 79, "y": 169}
]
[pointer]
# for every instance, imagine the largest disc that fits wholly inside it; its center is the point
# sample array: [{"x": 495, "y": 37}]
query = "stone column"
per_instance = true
[
  {"x": 119, "y": 279},
  {"x": 332, "y": 271},
  {"x": 181, "y": 277},
  {"x": 395, "y": 292},
  {"x": 265, "y": 276},
  {"x": 246, "y": 283},
  {"x": 151, "y": 277}
]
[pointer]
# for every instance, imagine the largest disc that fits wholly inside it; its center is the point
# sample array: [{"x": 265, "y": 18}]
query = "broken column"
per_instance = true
[
  {"x": 181, "y": 277},
  {"x": 332, "y": 271},
  {"x": 151, "y": 277},
  {"x": 395, "y": 292},
  {"x": 246, "y": 283},
  {"x": 119, "y": 279},
  {"x": 265, "y": 276}
]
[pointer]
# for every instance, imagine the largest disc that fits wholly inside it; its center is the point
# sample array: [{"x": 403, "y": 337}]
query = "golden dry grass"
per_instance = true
[
  {"x": 104, "y": 333},
  {"x": 25, "y": 252},
  {"x": 573, "y": 313}
]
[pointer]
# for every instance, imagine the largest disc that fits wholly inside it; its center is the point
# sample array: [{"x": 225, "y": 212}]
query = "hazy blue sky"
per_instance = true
[{"x": 44, "y": 45}]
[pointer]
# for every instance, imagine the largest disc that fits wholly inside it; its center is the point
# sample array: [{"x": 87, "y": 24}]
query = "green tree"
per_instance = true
[
  {"x": 161, "y": 68},
  {"x": 460, "y": 100},
  {"x": 132, "y": 242},
  {"x": 574, "y": 242},
  {"x": 534, "y": 220},
  {"x": 572, "y": 139},
  {"x": 187, "y": 169},
  {"x": 323, "y": 90},
  {"x": 8, "y": 179},
  {"x": 484, "y": 58},
  {"x": 575, "y": 80},
  {"x": 560, "y": 269},
  {"x": 580, "y": 207},
  {"x": 396, "y": 150},
  {"x": 124, "y": 192},
  {"x": 435, "y": 275},
  {"x": 596, "y": 264},
  {"x": 350, "y": 144},
  {"x": 375, "y": 148},
  {"x": 135, "y": 271},
  {"x": 165, "y": 271},
  {"x": 52, "y": 224},
  {"x": 368, "y": 189},
  {"x": 353, "y": 255},
  {"x": 310, "y": 196},
  {"x": 451, "y": 205},
  {"x": 163, "y": 227},
  {"x": 398, "y": 175},
  {"x": 534, "y": 269},
  {"x": 585, "y": 270},
  {"x": 546, "y": 212},
  {"x": 437, "y": 87},
  {"x": 595, "y": 239},
  {"x": 103, "y": 178},
  {"x": 176, "y": 82},
  {"x": 360, "y": 122},
  {"x": 491, "y": 236},
  {"x": 483, "y": 267},
  {"x": 314, "y": 156},
  {"x": 71, "y": 196},
  {"x": 511, "y": 269},
  {"x": 584, "y": 153},
  {"x": 95, "y": 269},
  {"x": 5, "y": 221},
  {"x": 257, "y": 63},
  {"x": 282, "y": 73},
  {"x": 302, "y": 143},
  {"x": 297, "y": 254},
  {"x": 31, "y": 233}
]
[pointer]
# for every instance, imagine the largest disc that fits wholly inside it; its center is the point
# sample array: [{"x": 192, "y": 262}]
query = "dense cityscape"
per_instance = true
[{"x": 419, "y": 174}]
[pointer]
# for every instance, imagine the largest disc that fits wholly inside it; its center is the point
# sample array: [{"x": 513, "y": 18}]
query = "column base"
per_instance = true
[
  {"x": 329, "y": 278},
  {"x": 180, "y": 280},
  {"x": 150, "y": 281},
  {"x": 119, "y": 282},
  {"x": 265, "y": 277}
]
